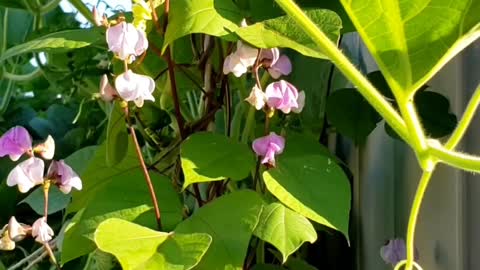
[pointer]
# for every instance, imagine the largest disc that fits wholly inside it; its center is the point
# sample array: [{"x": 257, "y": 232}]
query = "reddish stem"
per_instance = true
[{"x": 145, "y": 170}]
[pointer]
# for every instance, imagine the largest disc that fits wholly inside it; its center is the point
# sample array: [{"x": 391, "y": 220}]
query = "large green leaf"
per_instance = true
[
  {"x": 209, "y": 157},
  {"x": 138, "y": 247},
  {"x": 284, "y": 32},
  {"x": 349, "y": 121},
  {"x": 56, "y": 42},
  {"x": 312, "y": 185},
  {"x": 412, "y": 39},
  {"x": 212, "y": 17},
  {"x": 284, "y": 229},
  {"x": 116, "y": 135},
  {"x": 119, "y": 191},
  {"x": 230, "y": 220}
]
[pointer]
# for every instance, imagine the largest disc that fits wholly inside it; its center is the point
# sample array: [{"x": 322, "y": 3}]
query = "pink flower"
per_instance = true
[
  {"x": 41, "y": 231},
  {"x": 64, "y": 176},
  {"x": 125, "y": 40},
  {"x": 257, "y": 98},
  {"x": 107, "y": 92},
  {"x": 26, "y": 174},
  {"x": 283, "y": 96},
  {"x": 46, "y": 149},
  {"x": 135, "y": 87},
  {"x": 98, "y": 19},
  {"x": 276, "y": 64},
  {"x": 269, "y": 146},
  {"x": 15, "y": 142},
  {"x": 239, "y": 61},
  {"x": 395, "y": 251}
]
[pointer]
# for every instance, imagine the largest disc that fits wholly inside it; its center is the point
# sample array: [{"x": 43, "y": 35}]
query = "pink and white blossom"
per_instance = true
[
  {"x": 64, "y": 176},
  {"x": 46, "y": 149},
  {"x": 107, "y": 91},
  {"x": 269, "y": 146},
  {"x": 15, "y": 142},
  {"x": 283, "y": 96},
  {"x": 125, "y": 40},
  {"x": 257, "y": 98},
  {"x": 27, "y": 174},
  {"x": 276, "y": 64},
  {"x": 41, "y": 231},
  {"x": 135, "y": 87},
  {"x": 239, "y": 61}
]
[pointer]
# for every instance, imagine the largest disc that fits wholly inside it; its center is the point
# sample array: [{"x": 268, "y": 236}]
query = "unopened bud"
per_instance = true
[{"x": 17, "y": 231}]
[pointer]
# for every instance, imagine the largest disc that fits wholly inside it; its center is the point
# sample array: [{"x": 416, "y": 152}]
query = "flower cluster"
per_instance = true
[
  {"x": 127, "y": 41},
  {"x": 280, "y": 95},
  {"x": 30, "y": 173}
]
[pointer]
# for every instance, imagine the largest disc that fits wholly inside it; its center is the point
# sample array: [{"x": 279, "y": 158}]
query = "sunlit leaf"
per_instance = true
[{"x": 116, "y": 135}]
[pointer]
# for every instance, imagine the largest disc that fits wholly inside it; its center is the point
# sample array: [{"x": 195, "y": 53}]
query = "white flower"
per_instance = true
[
  {"x": 125, "y": 40},
  {"x": 16, "y": 231},
  {"x": 46, "y": 149},
  {"x": 41, "y": 231},
  {"x": 27, "y": 174},
  {"x": 135, "y": 87},
  {"x": 257, "y": 98},
  {"x": 239, "y": 61}
]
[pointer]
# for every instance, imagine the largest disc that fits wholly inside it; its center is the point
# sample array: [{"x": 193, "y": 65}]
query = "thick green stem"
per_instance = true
[
  {"x": 22, "y": 77},
  {"x": 347, "y": 68},
  {"x": 454, "y": 159},
  {"x": 465, "y": 121},
  {"x": 412, "y": 220}
]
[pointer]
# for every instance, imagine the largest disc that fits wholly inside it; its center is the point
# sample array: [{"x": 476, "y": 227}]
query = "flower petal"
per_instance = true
[
  {"x": 15, "y": 142},
  {"x": 27, "y": 174},
  {"x": 41, "y": 231}
]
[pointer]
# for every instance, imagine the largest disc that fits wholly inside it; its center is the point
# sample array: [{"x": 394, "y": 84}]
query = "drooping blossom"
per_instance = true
[
  {"x": 16, "y": 231},
  {"x": 276, "y": 64},
  {"x": 257, "y": 98},
  {"x": 125, "y": 40},
  {"x": 239, "y": 61},
  {"x": 41, "y": 231},
  {"x": 46, "y": 149},
  {"x": 15, "y": 142},
  {"x": 135, "y": 87},
  {"x": 269, "y": 146},
  {"x": 107, "y": 92},
  {"x": 394, "y": 251},
  {"x": 283, "y": 96},
  {"x": 26, "y": 174},
  {"x": 64, "y": 176},
  {"x": 99, "y": 19}
]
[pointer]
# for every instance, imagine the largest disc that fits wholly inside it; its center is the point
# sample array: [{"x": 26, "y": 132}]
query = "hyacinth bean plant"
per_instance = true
[{"x": 192, "y": 134}]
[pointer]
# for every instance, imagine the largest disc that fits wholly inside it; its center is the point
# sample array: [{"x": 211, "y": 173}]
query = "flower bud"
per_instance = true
[
  {"x": 257, "y": 98},
  {"x": 107, "y": 92},
  {"x": 394, "y": 251},
  {"x": 16, "y": 231},
  {"x": 46, "y": 149}
]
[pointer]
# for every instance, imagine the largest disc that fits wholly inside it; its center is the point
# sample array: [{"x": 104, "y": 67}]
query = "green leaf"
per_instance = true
[
  {"x": 412, "y": 39},
  {"x": 284, "y": 229},
  {"x": 212, "y": 17},
  {"x": 209, "y": 157},
  {"x": 56, "y": 42},
  {"x": 284, "y": 32},
  {"x": 298, "y": 264},
  {"x": 230, "y": 220},
  {"x": 264, "y": 266},
  {"x": 116, "y": 135},
  {"x": 12, "y": 4},
  {"x": 57, "y": 200},
  {"x": 138, "y": 247},
  {"x": 119, "y": 191},
  {"x": 314, "y": 186},
  {"x": 434, "y": 111},
  {"x": 350, "y": 122}
]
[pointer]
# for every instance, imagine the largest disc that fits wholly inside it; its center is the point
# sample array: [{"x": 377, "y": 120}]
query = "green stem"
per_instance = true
[
  {"x": 83, "y": 9},
  {"x": 22, "y": 77},
  {"x": 412, "y": 220},
  {"x": 465, "y": 121},
  {"x": 249, "y": 124},
  {"x": 455, "y": 159},
  {"x": 347, "y": 68},
  {"x": 5, "y": 31},
  {"x": 49, "y": 6}
]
